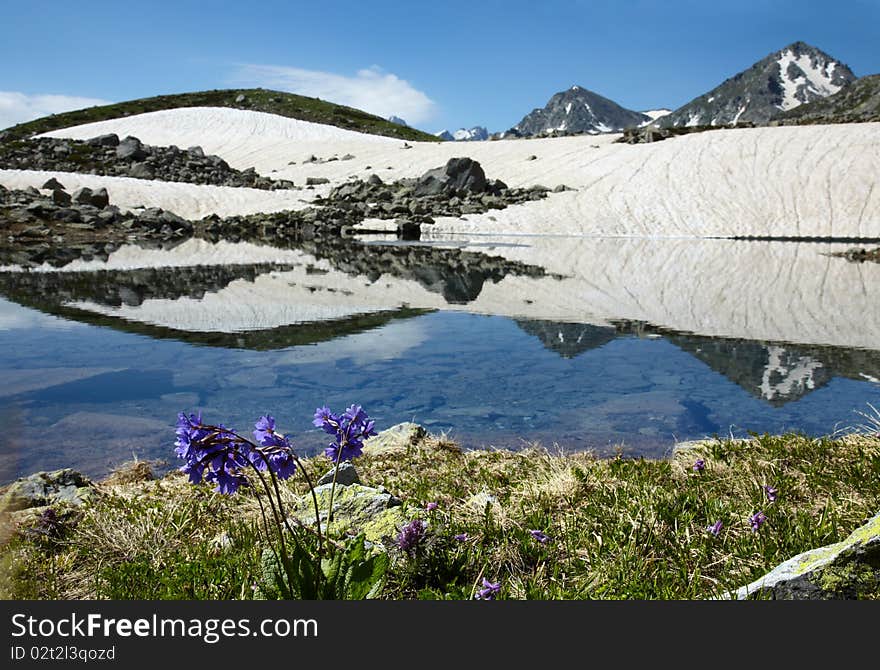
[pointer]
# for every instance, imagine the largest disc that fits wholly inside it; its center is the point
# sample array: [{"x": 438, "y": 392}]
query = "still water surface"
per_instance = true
[{"x": 613, "y": 344}]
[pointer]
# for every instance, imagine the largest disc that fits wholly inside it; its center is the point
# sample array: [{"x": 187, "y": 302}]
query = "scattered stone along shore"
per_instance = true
[
  {"x": 53, "y": 226},
  {"x": 56, "y": 227},
  {"x": 108, "y": 155},
  {"x": 860, "y": 255},
  {"x": 458, "y": 188}
]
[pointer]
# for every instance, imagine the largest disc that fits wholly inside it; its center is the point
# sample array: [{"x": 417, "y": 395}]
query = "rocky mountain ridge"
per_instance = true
[{"x": 785, "y": 79}]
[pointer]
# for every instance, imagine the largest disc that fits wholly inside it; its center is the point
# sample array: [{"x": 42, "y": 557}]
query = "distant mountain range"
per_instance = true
[
  {"x": 785, "y": 79},
  {"x": 475, "y": 134},
  {"x": 796, "y": 75}
]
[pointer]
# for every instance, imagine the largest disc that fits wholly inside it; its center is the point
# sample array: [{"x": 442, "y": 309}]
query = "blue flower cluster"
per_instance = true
[
  {"x": 222, "y": 457},
  {"x": 348, "y": 430}
]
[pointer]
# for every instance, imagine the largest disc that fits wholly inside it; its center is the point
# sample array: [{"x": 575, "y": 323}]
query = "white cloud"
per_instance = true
[
  {"x": 19, "y": 107},
  {"x": 372, "y": 90}
]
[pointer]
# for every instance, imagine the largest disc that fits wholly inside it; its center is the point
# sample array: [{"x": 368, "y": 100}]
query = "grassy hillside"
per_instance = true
[{"x": 254, "y": 99}]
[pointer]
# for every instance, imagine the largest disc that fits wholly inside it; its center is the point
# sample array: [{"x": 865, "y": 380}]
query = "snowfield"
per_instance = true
[{"x": 787, "y": 181}]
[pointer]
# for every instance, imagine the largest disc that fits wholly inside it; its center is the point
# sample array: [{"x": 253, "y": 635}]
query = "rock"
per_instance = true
[
  {"x": 532, "y": 158},
  {"x": 53, "y": 185},
  {"x": 316, "y": 181},
  {"x": 398, "y": 438},
  {"x": 141, "y": 171},
  {"x": 356, "y": 509},
  {"x": 47, "y": 488},
  {"x": 846, "y": 570},
  {"x": 408, "y": 230},
  {"x": 110, "y": 140},
  {"x": 196, "y": 151},
  {"x": 131, "y": 149},
  {"x": 61, "y": 198},
  {"x": 347, "y": 475},
  {"x": 459, "y": 174},
  {"x": 100, "y": 198},
  {"x": 375, "y": 180},
  {"x": 82, "y": 196},
  {"x": 240, "y": 99}
]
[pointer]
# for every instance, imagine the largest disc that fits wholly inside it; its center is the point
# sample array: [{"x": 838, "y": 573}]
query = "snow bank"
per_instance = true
[{"x": 785, "y": 181}]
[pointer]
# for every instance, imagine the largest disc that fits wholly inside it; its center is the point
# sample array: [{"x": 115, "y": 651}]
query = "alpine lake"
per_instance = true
[{"x": 615, "y": 345}]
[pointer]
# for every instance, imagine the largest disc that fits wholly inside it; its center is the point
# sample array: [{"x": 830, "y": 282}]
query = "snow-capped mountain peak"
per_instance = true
[
  {"x": 781, "y": 81},
  {"x": 578, "y": 110}
]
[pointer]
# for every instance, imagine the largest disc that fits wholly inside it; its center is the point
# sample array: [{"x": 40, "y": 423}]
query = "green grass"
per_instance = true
[
  {"x": 256, "y": 99},
  {"x": 620, "y": 528}
]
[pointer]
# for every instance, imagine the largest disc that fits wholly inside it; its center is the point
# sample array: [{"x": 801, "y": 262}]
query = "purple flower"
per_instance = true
[
  {"x": 757, "y": 520},
  {"x": 715, "y": 528},
  {"x": 699, "y": 465},
  {"x": 219, "y": 456},
  {"x": 461, "y": 537},
  {"x": 540, "y": 536},
  {"x": 771, "y": 493},
  {"x": 489, "y": 590},
  {"x": 431, "y": 506},
  {"x": 211, "y": 452},
  {"x": 411, "y": 535},
  {"x": 349, "y": 431},
  {"x": 277, "y": 452}
]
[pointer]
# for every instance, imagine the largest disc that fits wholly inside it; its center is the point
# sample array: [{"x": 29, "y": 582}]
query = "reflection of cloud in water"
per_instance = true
[
  {"x": 381, "y": 344},
  {"x": 16, "y": 317}
]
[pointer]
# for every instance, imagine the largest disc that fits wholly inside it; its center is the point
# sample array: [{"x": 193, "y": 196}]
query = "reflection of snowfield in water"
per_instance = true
[{"x": 781, "y": 292}]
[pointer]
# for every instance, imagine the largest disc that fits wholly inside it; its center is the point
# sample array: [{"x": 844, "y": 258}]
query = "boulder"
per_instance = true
[
  {"x": 82, "y": 196},
  {"x": 141, "y": 171},
  {"x": 346, "y": 476},
  {"x": 53, "y": 185},
  {"x": 459, "y": 174},
  {"x": 240, "y": 98},
  {"x": 131, "y": 149},
  {"x": 100, "y": 198},
  {"x": 61, "y": 198},
  {"x": 47, "y": 488},
  {"x": 316, "y": 181},
  {"x": 109, "y": 140},
  {"x": 356, "y": 509},
  {"x": 846, "y": 570}
]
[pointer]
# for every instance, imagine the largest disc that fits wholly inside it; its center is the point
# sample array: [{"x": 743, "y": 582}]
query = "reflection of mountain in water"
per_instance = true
[
  {"x": 779, "y": 372},
  {"x": 568, "y": 339},
  {"x": 776, "y": 372}
]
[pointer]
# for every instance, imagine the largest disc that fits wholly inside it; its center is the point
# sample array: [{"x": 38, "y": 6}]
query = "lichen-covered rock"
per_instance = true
[
  {"x": 846, "y": 570},
  {"x": 397, "y": 438},
  {"x": 356, "y": 509},
  {"x": 47, "y": 488}
]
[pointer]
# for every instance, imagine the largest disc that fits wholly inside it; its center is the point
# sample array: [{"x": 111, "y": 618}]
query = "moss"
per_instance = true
[{"x": 852, "y": 580}]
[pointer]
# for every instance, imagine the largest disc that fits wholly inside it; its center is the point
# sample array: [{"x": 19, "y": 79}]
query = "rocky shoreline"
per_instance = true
[{"x": 50, "y": 225}]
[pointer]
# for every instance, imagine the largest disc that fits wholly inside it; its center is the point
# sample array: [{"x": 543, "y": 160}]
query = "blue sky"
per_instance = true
[{"x": 436, "y": 64}]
